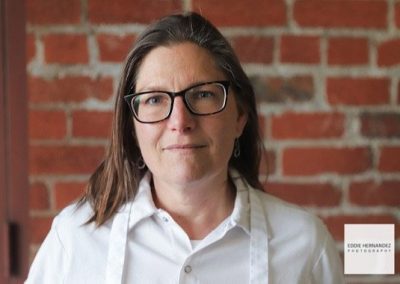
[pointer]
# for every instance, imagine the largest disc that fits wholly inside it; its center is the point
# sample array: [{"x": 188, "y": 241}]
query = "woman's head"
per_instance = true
[
  {"x": 121, "y": 164},
  {"x": 187, "y": 119},
  {"x": 195, "y": 29}
]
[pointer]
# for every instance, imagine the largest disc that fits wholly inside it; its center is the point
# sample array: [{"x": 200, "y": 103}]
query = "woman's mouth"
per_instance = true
[{"x": 184, "y": 146}]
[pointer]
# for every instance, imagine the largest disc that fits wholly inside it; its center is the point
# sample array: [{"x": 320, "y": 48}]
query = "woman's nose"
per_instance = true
[{"x": 180, "y": 119}]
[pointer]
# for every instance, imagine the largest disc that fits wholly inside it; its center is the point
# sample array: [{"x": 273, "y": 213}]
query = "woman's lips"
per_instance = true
[{"x": 184, "y": 146}]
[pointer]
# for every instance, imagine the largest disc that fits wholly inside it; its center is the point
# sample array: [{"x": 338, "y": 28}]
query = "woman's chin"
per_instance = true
[{"x": 182, "y": 175}]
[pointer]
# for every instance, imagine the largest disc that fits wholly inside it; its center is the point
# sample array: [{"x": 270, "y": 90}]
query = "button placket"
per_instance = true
[
  {"x": 187, "y": 273},
  {"x": 187, "y": 269}
]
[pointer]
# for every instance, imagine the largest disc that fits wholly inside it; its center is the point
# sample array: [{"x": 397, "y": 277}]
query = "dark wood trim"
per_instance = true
[
  {"x": 3, "y": 174},
  {"x": 14, "y": 144}
]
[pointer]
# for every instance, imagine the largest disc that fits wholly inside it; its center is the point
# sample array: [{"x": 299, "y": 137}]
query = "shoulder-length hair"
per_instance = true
[{"x": 116, "y": 179}]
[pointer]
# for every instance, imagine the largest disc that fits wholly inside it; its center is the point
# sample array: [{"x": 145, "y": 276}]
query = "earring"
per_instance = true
[
  {"x": 140, "y": 163},
  {"x": 236, "y": 148}
]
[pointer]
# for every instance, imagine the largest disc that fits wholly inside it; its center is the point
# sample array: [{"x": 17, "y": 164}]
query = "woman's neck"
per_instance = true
[{"x": 198, "y": 207}]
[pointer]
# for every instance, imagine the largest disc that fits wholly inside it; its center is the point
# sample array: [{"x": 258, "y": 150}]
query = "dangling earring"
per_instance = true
[
  {"x": 236, "y": 149},
  {"x": 140, "y": 163}
]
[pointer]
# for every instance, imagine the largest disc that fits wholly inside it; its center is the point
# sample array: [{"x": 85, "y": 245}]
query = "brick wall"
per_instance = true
[{"x": 326, "y": 73}]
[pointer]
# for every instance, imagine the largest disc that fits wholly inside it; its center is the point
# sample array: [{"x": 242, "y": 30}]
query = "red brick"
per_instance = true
[
  {"x": 370, "y": 193},
  {"x": 41, "y": 12},
  {"x": 69, "y": 89},
  {"x": 91, "y": 124},
  {"x": 300, "y": 49},
  {"x": 251, "y": 49},
  {"x": 243, "y": 13},
  {"x": 130, "y": 11},
  {"x": 348, "y": 51},
  {"x": 336, "y": 224},
  {"x": 64, "y": 159},
  {"x": 388, "y": 53},
  {"x": 38, "y": 197},
  {"x": 307, "y": 125},
  {"x": 390, "y": 160},
  {"x": 358, "y": 91},
  {"x": 380, "y": 124},
  {"x": 45, "y": 124},
  {"x": 114, "y": 48},
  {"x": 30, "y": 48},
  {"x": 279, "y": 90},
  {"x": 65, "y": 49},
  {"x": 67, "y": 192},
  {"x": 305, "y": 194},
  {"x": 341, "y": 13},
  {"x": 38, "y": 229},
  {"x": 312, "y": 161}
]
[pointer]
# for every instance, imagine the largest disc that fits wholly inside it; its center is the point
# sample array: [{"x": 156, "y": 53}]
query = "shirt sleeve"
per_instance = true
[
  {"x": 328, "y": 269},
  {"x": 50, "y": 261}
]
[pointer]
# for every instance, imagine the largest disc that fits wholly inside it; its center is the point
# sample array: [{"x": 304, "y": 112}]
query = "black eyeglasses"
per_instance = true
[{"x": 201, "y": 99}]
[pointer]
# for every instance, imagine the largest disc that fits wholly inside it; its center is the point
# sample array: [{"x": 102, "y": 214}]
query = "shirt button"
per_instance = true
[
  {"x": 165, "y": 219},
  {"x": 188, "y": 269}
]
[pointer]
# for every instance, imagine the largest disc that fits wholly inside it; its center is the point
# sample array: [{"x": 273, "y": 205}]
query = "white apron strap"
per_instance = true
[
  {"x": 258, "y": 241},
  {"x": 117, "y": 247}
]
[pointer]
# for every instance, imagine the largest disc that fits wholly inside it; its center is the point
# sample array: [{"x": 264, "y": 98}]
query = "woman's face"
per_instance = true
[{"x": 186, "y": 148}]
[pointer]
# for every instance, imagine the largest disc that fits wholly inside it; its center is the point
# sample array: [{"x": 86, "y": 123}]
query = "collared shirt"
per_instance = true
[{"x": 264, "y": 240}]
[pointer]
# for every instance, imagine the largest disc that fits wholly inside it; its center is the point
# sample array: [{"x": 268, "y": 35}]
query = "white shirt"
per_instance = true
[{"x": 264, "y": 240}]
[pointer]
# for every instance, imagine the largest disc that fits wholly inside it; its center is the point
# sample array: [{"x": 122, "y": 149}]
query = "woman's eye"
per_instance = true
[
  {"x": 204, "y": 95},
  {"x": 154, "y": 100}
]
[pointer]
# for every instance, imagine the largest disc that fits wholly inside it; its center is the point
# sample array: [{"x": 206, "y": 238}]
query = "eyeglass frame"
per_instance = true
[{"x": 224, "y": 83}]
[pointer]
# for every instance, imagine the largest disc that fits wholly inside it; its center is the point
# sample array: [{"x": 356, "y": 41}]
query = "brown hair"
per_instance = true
[{"x": 116, "y": 179}]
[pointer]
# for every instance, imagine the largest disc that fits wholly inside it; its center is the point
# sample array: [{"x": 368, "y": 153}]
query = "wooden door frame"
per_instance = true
[{"x": 14, "y": 186}]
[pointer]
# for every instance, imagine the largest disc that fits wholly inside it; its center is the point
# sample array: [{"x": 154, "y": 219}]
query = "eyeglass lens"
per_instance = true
[{"x": 202, "y": 100}]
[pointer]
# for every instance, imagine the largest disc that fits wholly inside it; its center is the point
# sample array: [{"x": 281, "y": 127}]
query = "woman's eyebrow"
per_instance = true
[{"x": 155, "y": 88}]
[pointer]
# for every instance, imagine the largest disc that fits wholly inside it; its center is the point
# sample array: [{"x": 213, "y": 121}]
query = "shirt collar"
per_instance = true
[
  {"x": 143, "y": 205},
  {"x": 241, "y": 211}
]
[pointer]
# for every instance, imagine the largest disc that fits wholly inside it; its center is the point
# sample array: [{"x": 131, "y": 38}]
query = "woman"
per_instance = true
[{"x": 177, "y": 198}]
